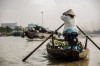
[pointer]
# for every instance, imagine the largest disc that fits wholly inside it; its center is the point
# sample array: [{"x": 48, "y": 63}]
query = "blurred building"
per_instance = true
[{"x": 11, "y": 25}]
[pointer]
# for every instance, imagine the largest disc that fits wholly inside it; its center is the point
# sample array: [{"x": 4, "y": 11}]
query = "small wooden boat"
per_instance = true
[
  {"x": 61, "y": 50},
  {"x": 31, "y": 34}
]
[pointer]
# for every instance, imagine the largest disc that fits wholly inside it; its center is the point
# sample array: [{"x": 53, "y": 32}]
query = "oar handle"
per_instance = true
[
  {"x": 81, "y": 30},
  {"x": 89, "y": 38},
  {"x": 59, "y": 27}
]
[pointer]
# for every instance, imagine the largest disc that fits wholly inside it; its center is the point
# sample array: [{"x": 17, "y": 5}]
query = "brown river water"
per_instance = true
[{"x": 14, "y": 49}]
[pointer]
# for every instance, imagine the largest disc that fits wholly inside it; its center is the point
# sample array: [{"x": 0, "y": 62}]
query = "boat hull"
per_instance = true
[
  {"x": 62, "y": 50},
  {"x": 62, "y": 54},
  {"x": 67, "y": 54}
]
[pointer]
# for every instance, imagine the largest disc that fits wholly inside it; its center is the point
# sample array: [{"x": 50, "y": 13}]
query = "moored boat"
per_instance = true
[{"x": 31, "y": 34}]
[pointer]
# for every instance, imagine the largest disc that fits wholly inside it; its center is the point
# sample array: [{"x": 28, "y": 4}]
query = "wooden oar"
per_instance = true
[
  {"x": 89, "y": 38},
  {"x": 40, "y": 45}
]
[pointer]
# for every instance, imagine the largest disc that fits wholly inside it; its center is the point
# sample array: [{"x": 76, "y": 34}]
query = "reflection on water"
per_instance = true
[
  {"x": 14, "y": 49},
  {"x": 61, "y": 62},
  {"x": 66, "y": 63}
]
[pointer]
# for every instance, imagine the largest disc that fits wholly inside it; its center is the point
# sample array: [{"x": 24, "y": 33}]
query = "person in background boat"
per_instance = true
[
  {"x": 59, "y": 34},
  {"x": 70, "y": 31}
]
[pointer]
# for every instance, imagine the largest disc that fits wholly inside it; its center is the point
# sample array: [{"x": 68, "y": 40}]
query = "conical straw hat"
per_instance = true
[{"x": 69, "y": 12}]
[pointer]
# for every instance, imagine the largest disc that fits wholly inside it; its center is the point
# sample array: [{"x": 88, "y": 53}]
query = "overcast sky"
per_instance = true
[{"x": 29, "y": 11}]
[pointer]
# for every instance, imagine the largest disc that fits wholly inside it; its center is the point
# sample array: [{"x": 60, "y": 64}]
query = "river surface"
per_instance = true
[{"x": 14, "y": 49}]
